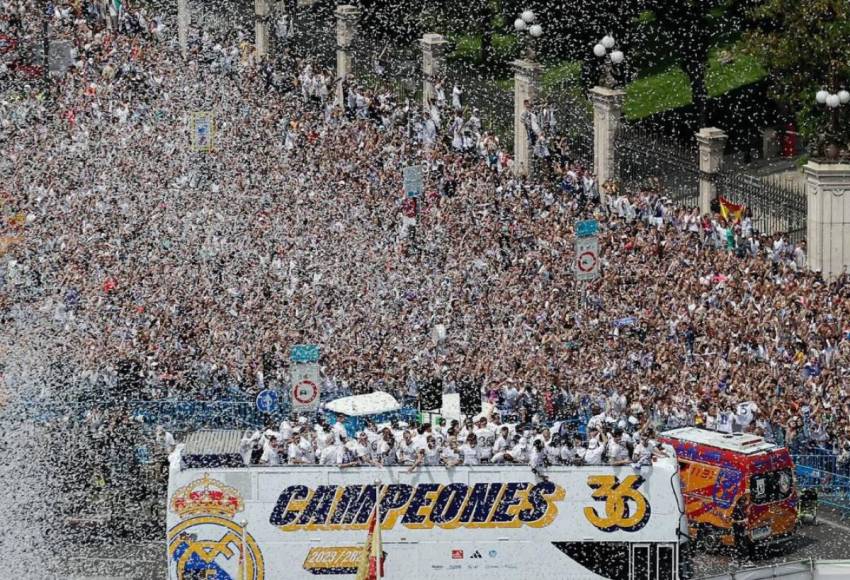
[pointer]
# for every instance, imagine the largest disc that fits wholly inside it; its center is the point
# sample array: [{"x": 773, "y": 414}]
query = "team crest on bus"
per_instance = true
[{"x": 208, "y": 543}]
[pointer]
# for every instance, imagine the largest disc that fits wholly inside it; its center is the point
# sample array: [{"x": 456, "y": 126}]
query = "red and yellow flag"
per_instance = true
[
  {"x": 731, "y": 211},
  {"x": 372, "y": 556}
]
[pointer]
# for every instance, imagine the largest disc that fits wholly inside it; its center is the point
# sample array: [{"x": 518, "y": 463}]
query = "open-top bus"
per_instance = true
[{"x": 488, "y": 521}]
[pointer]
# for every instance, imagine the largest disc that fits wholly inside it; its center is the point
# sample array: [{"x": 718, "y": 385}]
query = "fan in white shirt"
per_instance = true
[
  {"x": 295, "y": 452},
  {"x": 450, "y": 456},
  {"x": 519, "y": 452},
  {"x": 500, "y": 446},
  {"x": 329, "y": 453},
  {"x": 428, "y": 456},
  {"x": 595, "y": 448},
  {"x": 486, "y": 438},
  {"x": 406, "y": 450},
  {"x": 339, "y": 427},
  {"x": 470, "y": 451},
  {"x": 271, "y": 452}
]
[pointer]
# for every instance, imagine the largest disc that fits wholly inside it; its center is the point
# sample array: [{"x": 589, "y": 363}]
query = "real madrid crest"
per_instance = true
[{"x": 208, "y": 543}]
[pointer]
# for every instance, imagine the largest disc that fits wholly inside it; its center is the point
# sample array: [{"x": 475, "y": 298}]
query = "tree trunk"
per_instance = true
[{"x": 695, "y": 70}]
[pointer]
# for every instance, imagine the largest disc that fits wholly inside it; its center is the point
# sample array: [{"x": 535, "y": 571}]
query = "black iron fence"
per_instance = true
[
  {"x": 573, "y": 121},
  {"x": 776, "y": 208},
  {"x": 650, "y": 162}
]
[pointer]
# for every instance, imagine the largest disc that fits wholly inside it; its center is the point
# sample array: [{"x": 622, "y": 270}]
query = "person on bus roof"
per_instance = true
[
  {"x": 329, "y": 453},
  {"x": 470, "y": 452},
  {"x": 450, "y": 455},
  {"x": 271, "y": 451},
  {"x": 295, "y": 452}
]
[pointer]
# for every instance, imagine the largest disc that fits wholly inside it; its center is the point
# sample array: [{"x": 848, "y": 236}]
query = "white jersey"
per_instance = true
[
  {"x": 406, "y": 452},
  {"x": 270, "y": 455},
  {"x": 471, "y": 455},
  {"x": 486, "y": 439},
  {"x": 593, "y": 455},
  {"x": 519, "y": 453},
  {"x": 328, "y": 455},
  {"x": 295, "y": 454},
  {"x": 537, "y": 459},
  {"x": 432, "y": 455}
]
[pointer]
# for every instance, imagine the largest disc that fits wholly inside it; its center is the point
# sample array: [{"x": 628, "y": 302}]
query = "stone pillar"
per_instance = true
[
  {"x": 262, "y": 17},
  {"x": 346, "y": 20},
  {"x": 828, "y": 217},
  {"x": 183, "y": 20},
  {"x": 526, "y": 80},
  {"x": 433, "y": 64},
  {"x": 712, "y": 142},
  {"x": 607, "y": 117}
]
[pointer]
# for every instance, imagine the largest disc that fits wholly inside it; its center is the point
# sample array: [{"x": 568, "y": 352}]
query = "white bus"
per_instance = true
[{"x": 490, "y": 521}]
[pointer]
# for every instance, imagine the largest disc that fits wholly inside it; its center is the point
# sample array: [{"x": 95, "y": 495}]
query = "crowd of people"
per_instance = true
[
  {"x": 478, "y": 440},
  {"x": 125, "y": 248}
]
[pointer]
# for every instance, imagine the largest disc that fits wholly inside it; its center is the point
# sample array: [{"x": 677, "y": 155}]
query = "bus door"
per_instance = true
[{"x": 653, "y": 561}]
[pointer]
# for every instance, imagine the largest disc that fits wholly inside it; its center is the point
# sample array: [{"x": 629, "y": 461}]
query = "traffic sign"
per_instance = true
[
  {"x": 587, "y": 228},
  {"x": 306, "y": 386},
  {"x": 413, "y": 180},
  {"x": 304, "y": 353},
  {"x": 267, "y": 401},
  {"x": 586, "y": 264},
  {"x": 203, "y": 129}
]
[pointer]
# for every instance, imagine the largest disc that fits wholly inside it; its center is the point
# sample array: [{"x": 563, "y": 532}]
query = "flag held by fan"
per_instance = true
[{"x": 731, "y": 211}]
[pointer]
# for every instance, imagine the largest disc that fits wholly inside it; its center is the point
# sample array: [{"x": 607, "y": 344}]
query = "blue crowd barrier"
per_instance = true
[{"x": 821, "y": 472}]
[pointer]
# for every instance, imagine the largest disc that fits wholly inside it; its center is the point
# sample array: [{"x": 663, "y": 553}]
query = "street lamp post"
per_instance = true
[
  {"x": 834, "y": 103},
  {"x": 607, "y": 49},
  {"x": 526, "y": 23},
  {"x": 526, "y": 80}
]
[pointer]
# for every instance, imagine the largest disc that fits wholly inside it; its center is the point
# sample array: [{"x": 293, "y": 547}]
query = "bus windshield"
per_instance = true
[{"x": 770, "y": 487}]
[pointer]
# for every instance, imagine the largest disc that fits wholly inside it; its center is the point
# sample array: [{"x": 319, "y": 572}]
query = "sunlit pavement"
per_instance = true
[{"x": 829, "y": 539}]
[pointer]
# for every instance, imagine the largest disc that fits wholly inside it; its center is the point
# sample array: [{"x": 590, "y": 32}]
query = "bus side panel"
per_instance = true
[{"x": 485, "y": 522}]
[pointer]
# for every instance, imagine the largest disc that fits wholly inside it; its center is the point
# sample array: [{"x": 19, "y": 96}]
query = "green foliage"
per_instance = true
[
  {"x": 567, "y": 72},
  {"x": 467, "y": 48},
  {"x": 655, "y": 93},
  {"x": 670, "y": 88},
  {"x": 744, "y": 69},
  {"x": 805, "y": 46},
  {"x": 645, "y": 18},
  {"x": 505, "y": 47}
]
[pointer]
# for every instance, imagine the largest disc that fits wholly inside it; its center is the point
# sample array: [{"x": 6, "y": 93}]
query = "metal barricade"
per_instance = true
[{"x": 824, "y": 474}]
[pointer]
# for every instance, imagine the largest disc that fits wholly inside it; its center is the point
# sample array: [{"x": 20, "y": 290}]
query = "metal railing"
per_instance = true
[
  {"x": 827, "y": 476},
  {"x": 649, "y": 162},
  {"x": 776, "y": 208}
]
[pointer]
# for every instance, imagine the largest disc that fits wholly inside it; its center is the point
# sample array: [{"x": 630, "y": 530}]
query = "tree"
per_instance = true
[
  {"x": 806, "y": 47},
  {"x": 683, "y": 32}
]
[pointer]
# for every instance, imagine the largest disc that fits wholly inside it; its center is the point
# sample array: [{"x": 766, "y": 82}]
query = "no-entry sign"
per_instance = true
[
  {"x": 306, "y": 389},
  {"x": 586, "y": 264}
]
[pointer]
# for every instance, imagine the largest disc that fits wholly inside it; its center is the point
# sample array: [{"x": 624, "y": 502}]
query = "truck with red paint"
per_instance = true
[{"x": 739, "y": 489}]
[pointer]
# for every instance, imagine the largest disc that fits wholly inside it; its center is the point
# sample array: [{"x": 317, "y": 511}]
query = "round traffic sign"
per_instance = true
[
  {"x": 305, "y": 392},
  {"x": 267, "y": 401},
  {"x": 587, "y": 261}
]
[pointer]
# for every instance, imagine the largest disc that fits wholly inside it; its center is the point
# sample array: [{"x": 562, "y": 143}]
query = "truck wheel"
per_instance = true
[{"x": 708, "y": 539}]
